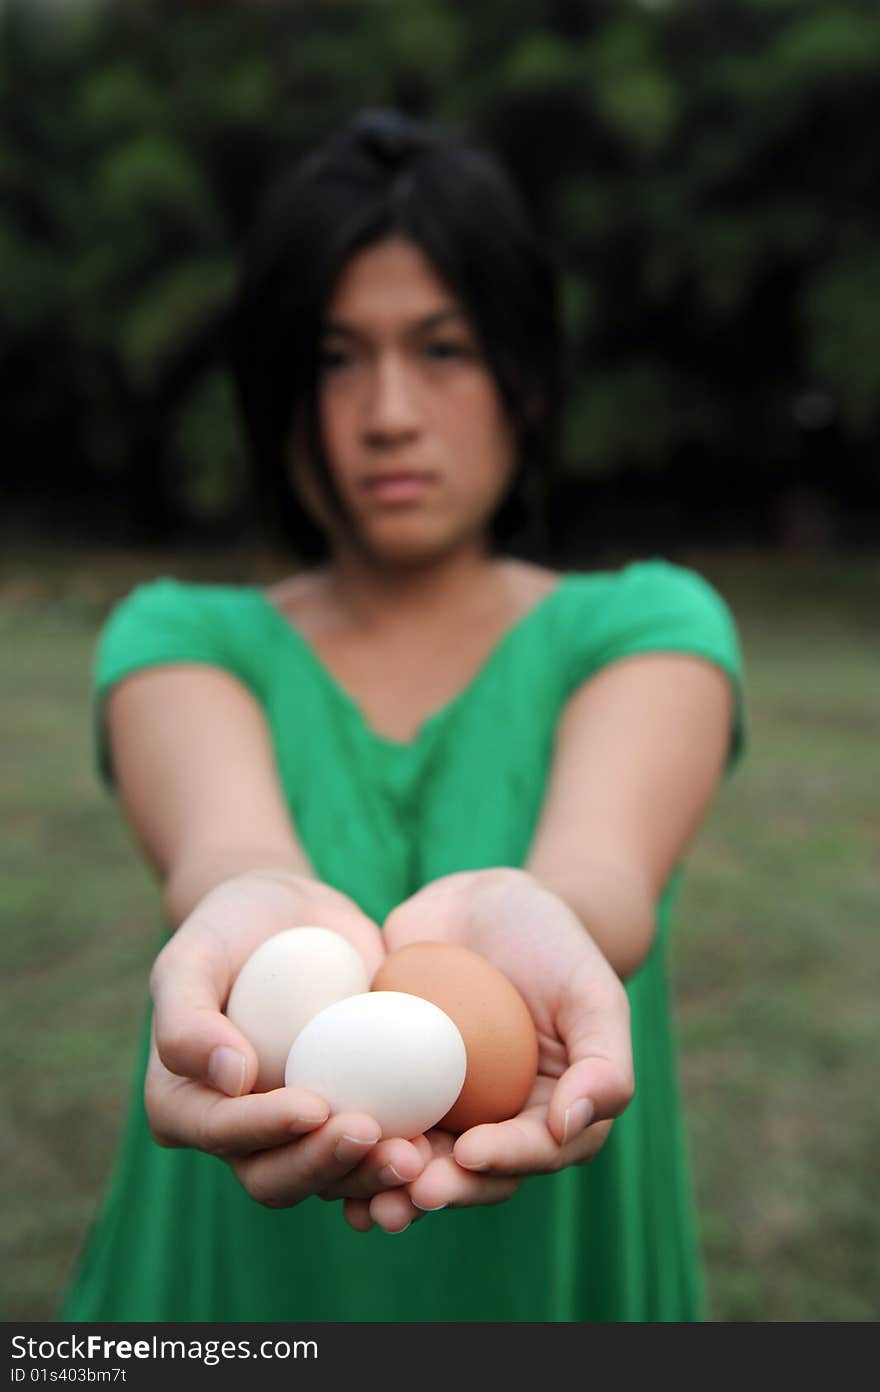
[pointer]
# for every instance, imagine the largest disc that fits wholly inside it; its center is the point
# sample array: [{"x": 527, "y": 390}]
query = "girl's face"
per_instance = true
[{"x": 414, "y": 429}]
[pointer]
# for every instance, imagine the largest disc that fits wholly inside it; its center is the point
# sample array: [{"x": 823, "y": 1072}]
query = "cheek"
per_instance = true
[{"x": 482, "y": 435}]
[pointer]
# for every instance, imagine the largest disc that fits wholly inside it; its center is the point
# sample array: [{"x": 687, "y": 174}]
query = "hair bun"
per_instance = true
[{"x": 388, "y": 135}]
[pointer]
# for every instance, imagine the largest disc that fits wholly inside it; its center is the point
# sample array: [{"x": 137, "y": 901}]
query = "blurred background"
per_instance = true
[{"x": 708, "y": 176}]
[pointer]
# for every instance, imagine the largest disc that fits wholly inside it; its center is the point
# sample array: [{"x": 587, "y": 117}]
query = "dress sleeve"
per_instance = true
[
  {"x": 163, "y": 621},
  {"x": 653, "y": 607}
]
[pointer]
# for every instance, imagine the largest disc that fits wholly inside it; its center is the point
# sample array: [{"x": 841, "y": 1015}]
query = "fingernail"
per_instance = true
[
  {"x": 390, "y": 1176},
  {"x": 226, "y": 1069},
  {"x": 398, "y": 1231},
  {"x": 476, "y": 1165},
  {"x": 350, "y": 1148},
  {"x": 423, "y": 1209},
  {"x": 311, "y": 1120},
  {"x": 578, "y": 1116}
]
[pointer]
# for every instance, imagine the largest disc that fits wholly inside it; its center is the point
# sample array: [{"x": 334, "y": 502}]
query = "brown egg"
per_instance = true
[{"x": 491, "y": 1015}]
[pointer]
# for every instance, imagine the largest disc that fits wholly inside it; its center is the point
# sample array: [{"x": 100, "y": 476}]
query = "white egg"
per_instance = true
[
  {"x": 395, "y": 1056},
  {"x": 285, "y": 981}
]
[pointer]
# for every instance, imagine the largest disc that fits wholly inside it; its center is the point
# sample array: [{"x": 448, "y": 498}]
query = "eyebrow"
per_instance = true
[{"x": 431, "y": 321}]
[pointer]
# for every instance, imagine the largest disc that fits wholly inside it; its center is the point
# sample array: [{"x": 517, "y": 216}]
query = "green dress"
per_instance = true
[{"x": 177, "y": 1238}]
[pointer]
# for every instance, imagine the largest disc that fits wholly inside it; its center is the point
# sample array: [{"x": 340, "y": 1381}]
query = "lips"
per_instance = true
[{"x": 398, "y": 486}]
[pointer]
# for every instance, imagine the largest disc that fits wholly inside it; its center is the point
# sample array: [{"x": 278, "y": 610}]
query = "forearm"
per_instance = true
[
  {"x": 615, "y": 906},
  {"x": 196, "y": 874}
]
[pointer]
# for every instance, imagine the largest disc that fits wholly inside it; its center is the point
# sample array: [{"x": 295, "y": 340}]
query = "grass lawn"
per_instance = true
[{"x": 777, "y": 961}]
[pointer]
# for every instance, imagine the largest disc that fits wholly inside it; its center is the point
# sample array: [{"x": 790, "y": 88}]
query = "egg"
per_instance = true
[
  {"x": 492, "y": 1017},
  {"x": 288, "y": 979},
  {"x": 393, "y": 1055}
]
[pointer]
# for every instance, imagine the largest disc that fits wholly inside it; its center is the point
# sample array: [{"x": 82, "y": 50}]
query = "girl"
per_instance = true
[{"x": 420, "y": 734}]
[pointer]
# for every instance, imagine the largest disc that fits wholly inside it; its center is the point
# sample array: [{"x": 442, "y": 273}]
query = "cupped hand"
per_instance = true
[
  {"x": 282, "y": 1145},
  {"x": 581, "y": 1014}
]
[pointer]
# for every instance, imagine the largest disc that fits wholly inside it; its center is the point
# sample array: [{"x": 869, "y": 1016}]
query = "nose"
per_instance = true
[{"x": 391, "y": 409}]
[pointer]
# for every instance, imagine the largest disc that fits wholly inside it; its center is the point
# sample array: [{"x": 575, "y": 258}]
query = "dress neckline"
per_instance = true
[{"x": 345, "y": 699}]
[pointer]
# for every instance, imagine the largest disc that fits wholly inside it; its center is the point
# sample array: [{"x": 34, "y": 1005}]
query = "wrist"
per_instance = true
[
  {"x": 492, "y": 879},
  {"x": 300, "y": 885},
  {"x": 501, "y": 889},
  {"x": 614, "y": 906},
  {"x": 193, "y": 880},
  {"x": 310, "y": 900}
]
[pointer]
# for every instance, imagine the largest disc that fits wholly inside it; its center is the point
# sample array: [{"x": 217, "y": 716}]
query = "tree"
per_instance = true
[{"x": 705, "y": 173}]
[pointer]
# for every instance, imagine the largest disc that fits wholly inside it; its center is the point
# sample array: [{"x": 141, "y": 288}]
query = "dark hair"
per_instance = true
[{"x": 388, "y": 174}]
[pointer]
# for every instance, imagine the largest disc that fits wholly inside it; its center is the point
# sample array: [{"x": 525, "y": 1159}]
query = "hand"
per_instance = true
[
  {"x": 281, "y": 1145},
  {"x": 581, "y": 1014}
]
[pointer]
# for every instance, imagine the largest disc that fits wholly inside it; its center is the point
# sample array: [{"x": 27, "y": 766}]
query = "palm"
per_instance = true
[
  {"x": 239, "y": 915},
  {"x": 194, "y": 972},
  {"x": 581, "y": 1016},
  {"x": 529, "y": 936}
]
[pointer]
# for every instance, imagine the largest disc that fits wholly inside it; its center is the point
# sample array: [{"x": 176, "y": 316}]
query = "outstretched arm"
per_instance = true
[
  {"x": 639, "y": 755},
  {"x": 640, "y": 750},
  {"x": 193, "y": 761}
]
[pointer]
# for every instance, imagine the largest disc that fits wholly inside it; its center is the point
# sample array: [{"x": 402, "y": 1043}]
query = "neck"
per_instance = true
[{"x": 374, "y": 595}]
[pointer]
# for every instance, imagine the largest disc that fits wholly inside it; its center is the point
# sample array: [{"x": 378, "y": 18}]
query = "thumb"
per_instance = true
[
  {"x": 594, "y": 1023},
  {"x": 193, "y": 1037}
]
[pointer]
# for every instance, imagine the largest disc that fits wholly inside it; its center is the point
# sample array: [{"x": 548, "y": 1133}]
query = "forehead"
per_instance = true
[{"x": 386, "y": 285}]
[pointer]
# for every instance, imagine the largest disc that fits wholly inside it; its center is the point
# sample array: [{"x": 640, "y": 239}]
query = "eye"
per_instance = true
[
  {"x": 443, "y": 349},
  {"x": 332, "y": 359}
]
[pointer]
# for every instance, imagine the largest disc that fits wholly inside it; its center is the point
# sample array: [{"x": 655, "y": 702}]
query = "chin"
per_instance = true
[{"x": 409, "y": 547}]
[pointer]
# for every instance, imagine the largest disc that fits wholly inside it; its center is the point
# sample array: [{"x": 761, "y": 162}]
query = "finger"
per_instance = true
[
  {"x": 594, "y": 1022},
  {"x": 357, "y": 1214},
  {"x": 525, "y": 1145},
  {"x": 185, "y": 1113},
  {"x": 437, "y": 1143},
  {"x": 444, "y": 1184},
  {"x": 389, "y": 1164},
  {"x": 286, "y": 1175},
  {"x": 393, "y": 1211},
  {"x": 522, "y": 1145}
]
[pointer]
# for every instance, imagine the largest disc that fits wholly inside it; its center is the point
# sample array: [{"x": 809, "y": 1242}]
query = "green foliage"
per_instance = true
[
  {"x": 705, "y": 172},
  {"x": 637, "y": 412},
  {"x": 636, "y": 97},
  {"x": 207, "y": 446},
  {"x": 167, "y": 311},
  {"x": 840, "y": 311}
]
